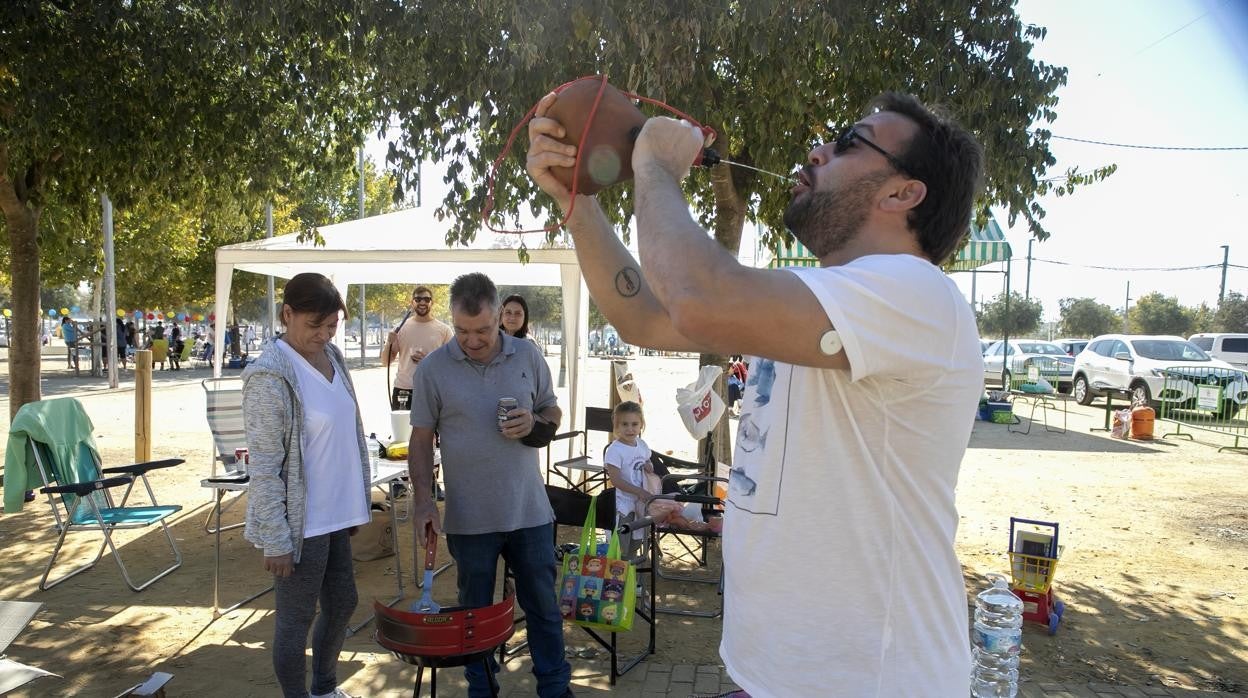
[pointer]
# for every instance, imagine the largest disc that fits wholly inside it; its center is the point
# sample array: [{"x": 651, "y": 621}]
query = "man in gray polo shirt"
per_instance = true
[{"x": 496, "y": 501}]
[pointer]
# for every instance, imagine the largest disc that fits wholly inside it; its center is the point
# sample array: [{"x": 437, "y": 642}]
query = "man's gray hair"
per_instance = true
[{"x": 471, "y": 293}]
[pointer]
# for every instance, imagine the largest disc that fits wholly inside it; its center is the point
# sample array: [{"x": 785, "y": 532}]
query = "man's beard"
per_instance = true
[
  {"x": 827, "y": 221},
  {"x": 422, "y": 311}
]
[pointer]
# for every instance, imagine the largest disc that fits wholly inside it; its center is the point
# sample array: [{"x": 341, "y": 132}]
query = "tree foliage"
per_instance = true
[
  {"x": 1155, "y": 313},
  {"x": 771, "y": 79},
  {"x": 1022, "y": 317},
  {"x": 1084, "y": 317},
  {"x": 168, "y": 101},
  {"x": 1232, "y": 315}
]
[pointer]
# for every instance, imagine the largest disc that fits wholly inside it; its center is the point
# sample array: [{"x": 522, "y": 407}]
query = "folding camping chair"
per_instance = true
[
  {"x": 79, "y": 490},
  {"x": 571, "y": 506},
  {"x": 224, "y": 399},
  {"x": 692, "y": 482},
  {"x": 592, "y": 473}
]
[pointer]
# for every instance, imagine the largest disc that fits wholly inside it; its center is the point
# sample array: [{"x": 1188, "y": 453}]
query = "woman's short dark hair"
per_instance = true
[
  {"x": 948, "y": 159},
  {"x": 524, "y": 327},
  {"x": 314, "y": 293}
]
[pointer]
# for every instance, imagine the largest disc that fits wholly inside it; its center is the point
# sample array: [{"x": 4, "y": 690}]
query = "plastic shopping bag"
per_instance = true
[
  {"x": 1122, "y": 424},
  {"x": 597, "y": 591},
  {"x": 699, "y": 406}
]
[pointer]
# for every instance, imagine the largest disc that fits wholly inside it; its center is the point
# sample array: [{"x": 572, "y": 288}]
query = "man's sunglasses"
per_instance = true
[
  {"x": 845, "y": 141},
  {"x": 423, "y": 299}
]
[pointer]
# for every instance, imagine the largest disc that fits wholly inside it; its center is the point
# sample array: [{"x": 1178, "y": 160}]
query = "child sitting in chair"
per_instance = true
[{"x": 627, "y": 462}]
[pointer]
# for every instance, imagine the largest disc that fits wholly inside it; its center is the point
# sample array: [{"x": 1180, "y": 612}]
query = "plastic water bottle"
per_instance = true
[
  {"x": 997, "y": 641},
  {"x": 374, "y": 451}
]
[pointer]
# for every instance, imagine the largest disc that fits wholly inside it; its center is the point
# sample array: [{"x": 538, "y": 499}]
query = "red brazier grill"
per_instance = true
[{"x": 451, "y": 638}]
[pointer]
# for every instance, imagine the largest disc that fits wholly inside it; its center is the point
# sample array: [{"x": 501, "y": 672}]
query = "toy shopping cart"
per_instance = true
[{"x": 1034, "y": 552}]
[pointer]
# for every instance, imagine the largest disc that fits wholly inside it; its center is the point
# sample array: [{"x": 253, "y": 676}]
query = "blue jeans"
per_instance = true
[{"x": 530, "y": 554}]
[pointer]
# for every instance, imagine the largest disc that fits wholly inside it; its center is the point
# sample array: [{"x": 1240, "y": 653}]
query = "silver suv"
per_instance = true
[{"x": 1140, "y": 363}]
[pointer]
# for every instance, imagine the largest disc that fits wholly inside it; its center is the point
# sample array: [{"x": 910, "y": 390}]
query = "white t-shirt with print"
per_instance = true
[
  {"x": 840, "y": 572},
  {"x": 631, "y": 460},
  {"x": 331, "y": 452}
]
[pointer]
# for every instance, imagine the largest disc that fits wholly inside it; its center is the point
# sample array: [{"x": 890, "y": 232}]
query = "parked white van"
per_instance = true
[{"x": 1230, "y": 347}]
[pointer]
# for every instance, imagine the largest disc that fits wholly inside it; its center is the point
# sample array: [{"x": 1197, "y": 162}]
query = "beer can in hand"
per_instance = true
[{"x": 505, "y": 405}]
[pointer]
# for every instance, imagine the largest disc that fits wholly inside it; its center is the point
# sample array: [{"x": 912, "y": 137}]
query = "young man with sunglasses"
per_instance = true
[
  {"x": 840, "y": 572},
  {"x": 415, "y": 337}
]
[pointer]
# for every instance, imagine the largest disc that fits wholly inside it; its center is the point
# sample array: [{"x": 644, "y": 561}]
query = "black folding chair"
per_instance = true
[
  {"x": 690, "y": 482},
  {"x": 592, "y": 474},
  {"x": 571, "y": 507}
]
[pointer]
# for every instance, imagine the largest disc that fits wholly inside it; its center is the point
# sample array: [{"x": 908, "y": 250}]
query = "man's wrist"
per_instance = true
[{"x": 424, "y": 500}]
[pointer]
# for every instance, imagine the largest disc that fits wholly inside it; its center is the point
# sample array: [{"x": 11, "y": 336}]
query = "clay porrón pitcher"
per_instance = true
[{"x": 606, "y": 156}]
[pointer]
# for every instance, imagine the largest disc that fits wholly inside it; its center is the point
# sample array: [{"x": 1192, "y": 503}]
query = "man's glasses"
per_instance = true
[
  {"x": 845, "y": 141},
  {"x": 422, "y": 299}
]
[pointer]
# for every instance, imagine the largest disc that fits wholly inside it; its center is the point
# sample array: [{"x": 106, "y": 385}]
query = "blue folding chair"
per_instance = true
[{"x": 57, "y": 435}]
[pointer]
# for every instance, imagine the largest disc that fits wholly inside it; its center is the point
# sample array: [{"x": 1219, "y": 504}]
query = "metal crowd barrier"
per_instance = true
[{"x": 1206, "y": 398}]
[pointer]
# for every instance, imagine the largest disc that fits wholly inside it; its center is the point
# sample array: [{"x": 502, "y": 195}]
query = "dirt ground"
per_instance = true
[{"x": 1154, "y": 574}]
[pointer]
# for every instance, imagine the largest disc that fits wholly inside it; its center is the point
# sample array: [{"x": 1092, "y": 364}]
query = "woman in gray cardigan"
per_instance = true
[{"x": 309, "y": 482}]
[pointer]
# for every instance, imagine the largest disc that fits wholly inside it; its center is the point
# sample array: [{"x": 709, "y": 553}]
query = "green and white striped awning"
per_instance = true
[
  {"x": 793, "y": 254},
  {"x": 985, "y": 246}
]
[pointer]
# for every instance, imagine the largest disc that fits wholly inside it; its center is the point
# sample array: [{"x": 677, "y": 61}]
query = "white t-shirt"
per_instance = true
[
  {"x": 631, "y": 460},
  {"x": 840, "y": 572},
  {"x": 331, "y": 452}
]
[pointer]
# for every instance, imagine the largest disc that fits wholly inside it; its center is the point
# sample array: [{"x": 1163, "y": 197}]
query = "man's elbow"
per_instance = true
[{"x": 693, "y": 318}]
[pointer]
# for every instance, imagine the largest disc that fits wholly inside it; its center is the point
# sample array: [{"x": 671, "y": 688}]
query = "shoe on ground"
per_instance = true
[{"x": 338, "y": 693}]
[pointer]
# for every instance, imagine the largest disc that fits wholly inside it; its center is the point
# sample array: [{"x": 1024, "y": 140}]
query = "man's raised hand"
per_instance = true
[{"x": 545, "y": 152}]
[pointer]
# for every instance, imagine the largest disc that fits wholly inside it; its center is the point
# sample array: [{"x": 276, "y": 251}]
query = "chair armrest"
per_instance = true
[
  {"x": 142, "y": 468},
  {"x": 84, "y": 488},
  {"x": 676, "y": 477},
  {"x": 673, "y": 462},
  {"x": 566, "y": 435},
  {"x": 229, "y": 479},
  {"x": 635, "y": 524},
  {"x": 695, "y": 498}
]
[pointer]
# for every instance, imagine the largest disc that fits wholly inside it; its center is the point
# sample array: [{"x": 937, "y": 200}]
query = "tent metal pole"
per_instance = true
[
  {"x": 268, "y": 233},
  {"x": 363, "y": 287}
]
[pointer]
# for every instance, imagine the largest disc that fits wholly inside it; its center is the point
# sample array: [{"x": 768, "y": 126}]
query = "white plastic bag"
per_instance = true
[
  {"x": 625, "y": 385},
  {"x": 1122, "y": 424},
  {"x": 699, "y": 406}
]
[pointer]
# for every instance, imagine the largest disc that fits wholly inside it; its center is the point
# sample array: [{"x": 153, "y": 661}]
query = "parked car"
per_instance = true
[
  {"x": 1227, "y": 346},
  {"x": 1138, "y": 363},
  {"x": 983, "y": 346},
  {"x": 4, "y": 338},
  {"x": 1072, "y": 347},
  {"x": 1022, "y": 354}
]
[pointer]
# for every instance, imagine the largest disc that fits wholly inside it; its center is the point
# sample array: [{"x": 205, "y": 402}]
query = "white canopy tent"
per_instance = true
[{"x": 410, "y": 247}]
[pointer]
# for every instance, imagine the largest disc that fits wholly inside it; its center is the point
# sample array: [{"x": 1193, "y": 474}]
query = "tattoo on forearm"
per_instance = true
[{"x": 628, "y": 282}]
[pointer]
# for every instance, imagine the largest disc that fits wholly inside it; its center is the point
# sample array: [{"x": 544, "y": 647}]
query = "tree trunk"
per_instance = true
[
  {"x": 729, "y": 221},
  {"x": 25, "y": 342}
]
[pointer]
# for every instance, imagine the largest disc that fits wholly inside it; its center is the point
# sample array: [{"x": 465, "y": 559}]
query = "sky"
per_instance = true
[
  {"x": 1144, "y": 72},
  {"x": 1170, "y": 73}
]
